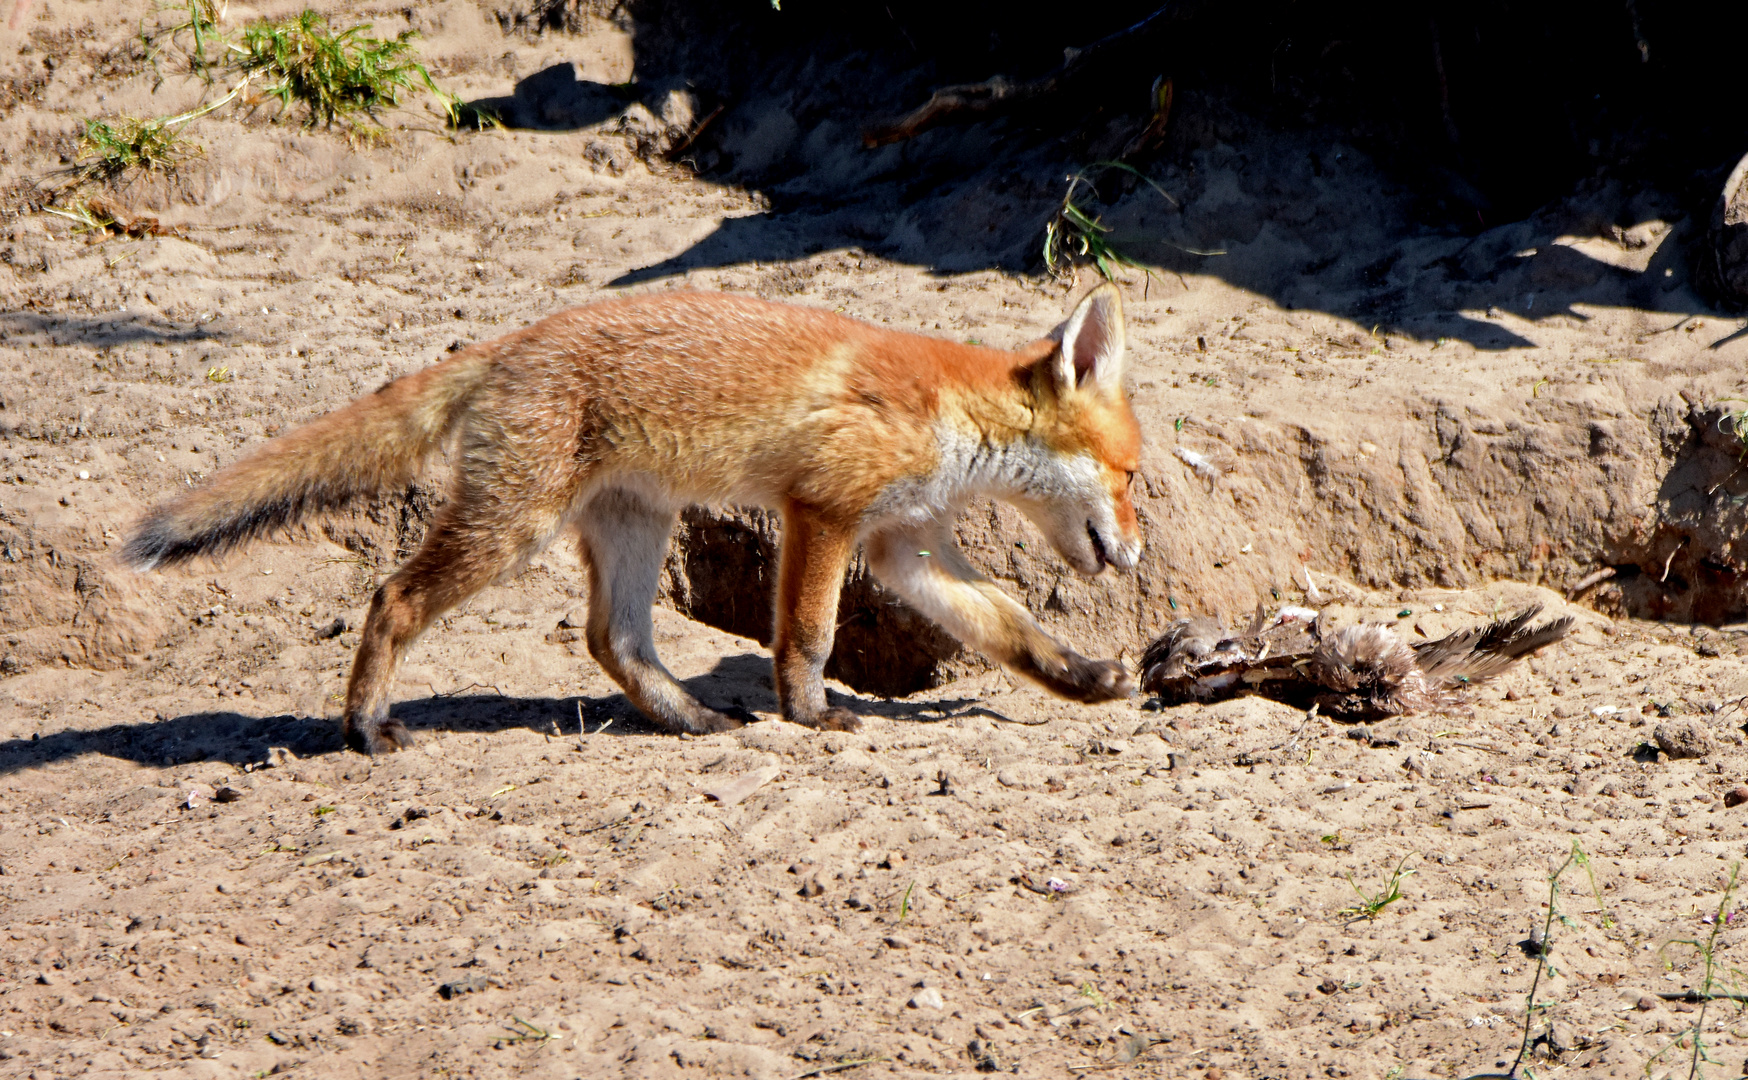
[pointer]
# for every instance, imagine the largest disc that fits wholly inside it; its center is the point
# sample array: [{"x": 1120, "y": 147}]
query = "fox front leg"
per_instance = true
[
  {"x": 816, "y": 552},
  {"x": 926, "y": 567}
]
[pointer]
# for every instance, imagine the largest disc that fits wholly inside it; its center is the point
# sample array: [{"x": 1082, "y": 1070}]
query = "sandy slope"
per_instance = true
[{"x": 517, "y": 897}]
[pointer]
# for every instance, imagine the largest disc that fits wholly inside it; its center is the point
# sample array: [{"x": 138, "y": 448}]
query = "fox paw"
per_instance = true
[
  {"x": 836, "y": 718},
  {"x": 724, "y": 720},
  {"x": 1081, "y": 678},
  {"x": 375, "y": 737}
]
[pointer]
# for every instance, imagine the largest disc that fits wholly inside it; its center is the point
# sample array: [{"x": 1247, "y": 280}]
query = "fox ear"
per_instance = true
[{"x": 1091, "y": 353}]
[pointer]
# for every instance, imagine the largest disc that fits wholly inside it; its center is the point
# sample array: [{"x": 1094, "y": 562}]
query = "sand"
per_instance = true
[{"x": 198, "y": 880}]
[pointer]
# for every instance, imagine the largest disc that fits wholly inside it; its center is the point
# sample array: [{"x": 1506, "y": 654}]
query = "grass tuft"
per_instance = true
[
  {"x": 1735, "y": 421},
  {"x": 1075, "y": 234},
  {"x": 191, "y": 37},
  {"x": 1370, "y": 906},
  {"x": 108, "y": 150},
  {"x": 335, "y": 75}
]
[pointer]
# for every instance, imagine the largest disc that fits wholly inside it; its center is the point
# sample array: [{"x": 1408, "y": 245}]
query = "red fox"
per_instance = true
[{"x": 605, "y": 420}]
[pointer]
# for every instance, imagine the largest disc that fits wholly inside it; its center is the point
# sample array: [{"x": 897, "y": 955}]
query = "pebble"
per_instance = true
[
  {"x": 84, "y": 474},
  {"x": 1736, "y": 796},
  {"x": 896, "y": 941},
  {"x": 1647, "y": 1003},
  {"x": 322, "y": 984},
  {"x": 928, "y": 998}
]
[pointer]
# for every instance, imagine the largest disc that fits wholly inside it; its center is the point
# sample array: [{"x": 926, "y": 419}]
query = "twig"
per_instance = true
[
  {"x": 622, "y": 821},
  {"x": 1695, "y": 997},
  {"x": 1480, "y": 746},
  {"x": 840, "y": 1067},
  {"x": 1247, "y": 757},
  {"x": 1592, "y": 578},
  {"x": 465, "y": 689},
  {"x": 1671, "y": 560},
  {"x": 970, "y": 102},
  {"x": 674, "y": 154}
]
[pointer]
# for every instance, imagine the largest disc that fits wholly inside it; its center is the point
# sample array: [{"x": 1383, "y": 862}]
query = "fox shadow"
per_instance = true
[{"x": 739, "y": 682}]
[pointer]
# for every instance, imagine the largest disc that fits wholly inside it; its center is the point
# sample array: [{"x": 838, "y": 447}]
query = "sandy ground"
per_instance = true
[{"x": 195, "y": 879}]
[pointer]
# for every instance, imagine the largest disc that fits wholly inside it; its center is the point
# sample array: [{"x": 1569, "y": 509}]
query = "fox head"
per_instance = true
[{"x": 1084, "y": 443}]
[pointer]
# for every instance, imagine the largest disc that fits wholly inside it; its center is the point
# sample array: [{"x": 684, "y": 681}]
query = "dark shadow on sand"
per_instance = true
[
  {"x": 105, "y": 330},
  {"x": 554, "y": 99},
  {"x": 1269, "y": 122},
  {"x": 239, "y": 739}
]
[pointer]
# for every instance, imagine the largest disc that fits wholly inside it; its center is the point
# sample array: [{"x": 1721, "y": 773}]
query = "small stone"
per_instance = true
[
  {"x": 928, "y": 998},
  {"x": 227, "y": 793},
  {"x": 455, "y": 988},
  {"x": 322, "y": 984},
  {"x": 811, "y": 887},
  {"x": 1647, "y": 1003},
  {"x": 47, "y": 978},
  {"x": 1682, "y": 739},
  {"x": 1736, "y": 796},
  {"x": 895, "y": 941}
]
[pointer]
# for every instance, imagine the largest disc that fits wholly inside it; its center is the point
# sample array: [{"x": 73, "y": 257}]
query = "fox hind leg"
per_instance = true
[
  {"x": 925, "y": 566},
  {"x": 624, "y": 539},
  {"x": 459, "y": 557}
]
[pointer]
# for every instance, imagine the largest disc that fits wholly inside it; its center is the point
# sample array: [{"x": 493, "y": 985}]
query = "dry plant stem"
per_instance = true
[
  {"x": 970, "y": 102},
  {"x": 1576, "y": 855},
  {"x": 1708, "y": 951}
]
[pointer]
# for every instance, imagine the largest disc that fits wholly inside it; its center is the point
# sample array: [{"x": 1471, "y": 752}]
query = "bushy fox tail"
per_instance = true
[{"x": 377, "y": 442}]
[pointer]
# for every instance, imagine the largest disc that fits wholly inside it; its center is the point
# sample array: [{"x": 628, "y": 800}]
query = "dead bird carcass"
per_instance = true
[{"x": 1357, "y": 673}]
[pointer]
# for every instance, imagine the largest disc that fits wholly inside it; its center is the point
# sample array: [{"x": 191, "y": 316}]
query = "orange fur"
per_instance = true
[{"x": 608, "y": 418}]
